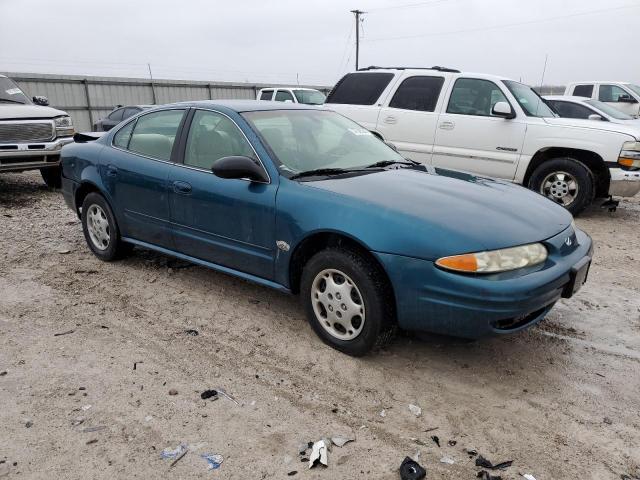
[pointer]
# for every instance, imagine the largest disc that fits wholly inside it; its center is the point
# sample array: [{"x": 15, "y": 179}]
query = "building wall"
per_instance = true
[{"x": 87, "y": 99}]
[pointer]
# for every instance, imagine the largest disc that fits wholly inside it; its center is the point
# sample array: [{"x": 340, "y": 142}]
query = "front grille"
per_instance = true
[{"x": 25, "y": 132}]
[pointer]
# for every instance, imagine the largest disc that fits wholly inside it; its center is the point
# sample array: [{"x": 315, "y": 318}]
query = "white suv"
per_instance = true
[
  {"x": 624, "y": 96},
  {"x": 492, "y": 126},
  {"x": 308, "y": 96}
]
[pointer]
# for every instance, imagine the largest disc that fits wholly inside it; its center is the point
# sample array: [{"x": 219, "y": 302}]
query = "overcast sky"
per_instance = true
[{"x": 313, "y": 40}]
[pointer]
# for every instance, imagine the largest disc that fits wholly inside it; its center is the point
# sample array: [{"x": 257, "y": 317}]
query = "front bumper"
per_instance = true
[
  {"x": 473, "y": 306},
  {"x": 624, "y": 183},
  {"x": 26, "y": 156}
]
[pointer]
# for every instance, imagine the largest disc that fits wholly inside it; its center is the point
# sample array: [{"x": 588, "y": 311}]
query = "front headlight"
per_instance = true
[
  {"x": 496, "y": 260},
  {"x": 64, "y": 126},
  {"x": 630, "y": 155}
]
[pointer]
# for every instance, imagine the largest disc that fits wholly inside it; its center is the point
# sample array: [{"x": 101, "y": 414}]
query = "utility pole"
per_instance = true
[{"x": 357, "y": 14}]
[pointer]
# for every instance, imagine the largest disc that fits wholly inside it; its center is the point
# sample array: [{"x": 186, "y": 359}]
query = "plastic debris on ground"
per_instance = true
[
  {"x": 383, "y": 413},
  {"x": 214, "y": 460},
  {"x": 341, "y": 441},
  {"x": 484, "y": 475},
  {"x": 528, "y": 476},
  {"x": 226, "y": 395},
  {"x": 448, "y": 460},
  {"x": 416, "y": 410},
  {"x": 319, "y": 452},
  {"x": 472, "y": 452},
  {"x": 411, "y": 470},
  {"x": 173, "y": 453},
  {"x": 484, "y": 463},
  {"x": 436, "y": 440}
]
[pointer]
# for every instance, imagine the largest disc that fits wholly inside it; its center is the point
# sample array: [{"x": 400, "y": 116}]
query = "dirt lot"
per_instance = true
[{"x": 560, "y": 400}]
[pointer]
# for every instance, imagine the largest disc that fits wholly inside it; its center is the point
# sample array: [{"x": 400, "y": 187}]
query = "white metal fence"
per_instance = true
[{"x": 87, "y": 99}]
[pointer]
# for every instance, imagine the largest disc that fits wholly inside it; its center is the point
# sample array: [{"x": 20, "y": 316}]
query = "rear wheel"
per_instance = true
[
  {"x": 348, "y": 301},
  {"x": 566, "y": 181},
  {"x": 52, "y": 176},
  {"x": 101, "y": 230}
]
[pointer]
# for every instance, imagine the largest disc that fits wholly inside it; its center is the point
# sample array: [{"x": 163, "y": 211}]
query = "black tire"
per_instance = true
[
  {"x": 584, "y": 180},
  {"x": 371, "y": 284},
  {"x": 52, "y": 176},
  {"x": 115, "y": 248}
]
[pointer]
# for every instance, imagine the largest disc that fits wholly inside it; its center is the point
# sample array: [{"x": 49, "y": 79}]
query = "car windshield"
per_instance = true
[
  {"x": 11, "y": 93},
  {"x": 634, "y": 88},
  {"x": 310, "y": 97},
  {"x": 532, "y": 103},
  {"x": 305, "y": 140},
  {"x": 609, "y": 110}
]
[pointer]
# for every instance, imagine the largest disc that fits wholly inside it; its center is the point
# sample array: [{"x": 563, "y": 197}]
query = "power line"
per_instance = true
[{"x": 506, "y": 25}]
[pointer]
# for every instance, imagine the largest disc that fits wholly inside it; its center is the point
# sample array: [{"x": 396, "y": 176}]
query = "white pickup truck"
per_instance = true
[
  {"x": 32, "y": 134},
  {"x": 494, "y": 127},
  {"x": 623, "y": 96}
]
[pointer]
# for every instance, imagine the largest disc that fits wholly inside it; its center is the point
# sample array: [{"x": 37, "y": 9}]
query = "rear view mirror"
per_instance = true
[
  {"x": 626, "y": 99},
  {"x": 40, "y": 100},
  {"x": 240, "y": 167},
  {"x": 595, "y": 116},
  {"x": 502, "y": 109}
]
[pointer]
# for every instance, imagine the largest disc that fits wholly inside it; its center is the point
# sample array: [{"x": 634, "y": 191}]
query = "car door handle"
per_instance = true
[
  {"x": 446, "y": 125},
  {"x": 391, "y": 120},
  {"x": 112, "y": 171},
  {"x": 182, "y": 188}
]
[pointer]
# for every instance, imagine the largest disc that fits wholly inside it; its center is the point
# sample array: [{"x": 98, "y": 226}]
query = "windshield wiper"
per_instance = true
[
  {"x": 11, "y": 101},
  {"x": 386, "y": 163},
  {"x": 320, "y": 171}
]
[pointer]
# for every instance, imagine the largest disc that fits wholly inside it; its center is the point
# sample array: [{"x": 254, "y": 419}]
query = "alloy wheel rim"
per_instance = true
[
  {"x": 337, "y": 304},
  {"x": 98, "y": 227},
  {"x": 561, "y": 187}
]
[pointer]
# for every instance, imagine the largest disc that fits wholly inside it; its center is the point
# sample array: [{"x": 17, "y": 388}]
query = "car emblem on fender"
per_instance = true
[{"x": 568, "y": 242}]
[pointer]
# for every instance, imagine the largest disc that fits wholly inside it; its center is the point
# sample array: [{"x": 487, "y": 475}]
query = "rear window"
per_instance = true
[
  {"x": 583, "y": 91},
  {"x": 418, "y": 93},
  {"x": 360, "y": 88},
  {"x": 266, "y": 95}
]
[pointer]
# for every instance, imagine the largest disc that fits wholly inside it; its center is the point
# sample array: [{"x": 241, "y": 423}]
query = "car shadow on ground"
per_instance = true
[{"x": 17, "y": 190}]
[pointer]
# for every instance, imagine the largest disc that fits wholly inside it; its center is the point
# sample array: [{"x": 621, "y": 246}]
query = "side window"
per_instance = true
[
  {"x": 155, "y": 133},
  {"x": 360, "y": 88},
  {"x": 572, "y": 110},
  {"x": 122, "y": 136},
  {"x": 583, "y": 91},
  {"x": 116, "y": 115},
  {"x": 472, "y": 96},
  {"x": 283, "y": 96},
  {"x": 266, "y": 95},
  {"x": 213, "y": 136},
  {"x": 610, "y": 93},
  {"x": 418, "y": 93}
]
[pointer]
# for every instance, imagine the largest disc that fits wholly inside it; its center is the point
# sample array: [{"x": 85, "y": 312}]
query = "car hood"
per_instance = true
[
  {"x": 627, "y": 128},
  {"x": 11, "y": 111},
  {"x": 432, "y": 213}
]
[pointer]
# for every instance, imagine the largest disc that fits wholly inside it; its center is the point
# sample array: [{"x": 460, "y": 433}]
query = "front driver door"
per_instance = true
[
  {"x": 229, "y": 222},
  {"x": 470, "y": 138}
]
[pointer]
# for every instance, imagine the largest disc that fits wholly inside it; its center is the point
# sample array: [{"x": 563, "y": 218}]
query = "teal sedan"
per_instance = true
[{"x": 308, "y": 202}]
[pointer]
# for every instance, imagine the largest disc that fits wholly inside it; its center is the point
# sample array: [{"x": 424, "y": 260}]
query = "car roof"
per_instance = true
[
  {"x": 439, "y": 71},
  {"x": 596, "y": 82},
  {"x": 245, "y": 105},
  {"x": 568, "y": 98}
]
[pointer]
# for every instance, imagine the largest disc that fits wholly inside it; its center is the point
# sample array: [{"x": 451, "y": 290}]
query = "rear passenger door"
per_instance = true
[
  {"x": 229, "y": 222},
  {"x": 136, "y": 172},
  {"x": 470, "y": 138},
  {"x": 410, "y": 117}
]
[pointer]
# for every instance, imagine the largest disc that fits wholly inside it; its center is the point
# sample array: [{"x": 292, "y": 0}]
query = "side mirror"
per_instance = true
[
  {"x": 239, "y": 167},
  {"x": 40, "y": 100},
  {"x": 503, "y": 109},
  {"x": 626, "y": 99},
  {"x": 595, "y": 116}
]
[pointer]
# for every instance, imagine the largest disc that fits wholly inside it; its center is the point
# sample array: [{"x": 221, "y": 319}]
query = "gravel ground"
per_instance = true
[{"x": 97, "y": 374}]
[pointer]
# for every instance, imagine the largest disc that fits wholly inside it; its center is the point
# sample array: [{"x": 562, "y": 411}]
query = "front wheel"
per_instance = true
[
  {"x": 348, "y": 301},
  {"x": 52, "y": 176},
  {"x": 566, "y": 181}
]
